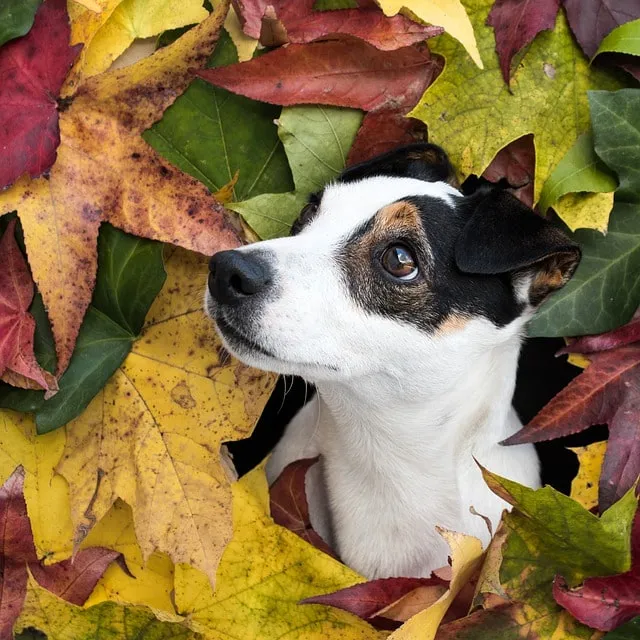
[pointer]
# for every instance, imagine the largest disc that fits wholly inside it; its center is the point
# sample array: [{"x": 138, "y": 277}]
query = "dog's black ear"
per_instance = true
[
  {"x": 421, "y": 160},
  {"x": 504, "y": 236}
]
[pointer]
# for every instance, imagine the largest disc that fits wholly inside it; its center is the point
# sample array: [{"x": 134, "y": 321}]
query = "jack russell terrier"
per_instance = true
[{"x": 404, "y": 302}]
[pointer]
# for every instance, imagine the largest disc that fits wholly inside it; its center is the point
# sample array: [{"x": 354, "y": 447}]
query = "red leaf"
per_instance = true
[
  {"x": 72, "y": 579},
  {"x": 607, "y": 392},
  {"x": 289, "y": 506},
  {"x": 592, "y": 20},
  {"x": 384, "y": 131},
  {"x": 605, "y": 603},
  {"x": 369, "y": 598},
  {"x": 346, "y": 72},
  {"x": 515, "y": 163},
  {"x": 516, "y": 23},
  {"x": 626, "y": 334},
  {"x": 17, "y": 326},
  {"x": 29, "y": 133},
  {"x": 303, "y": 24}
]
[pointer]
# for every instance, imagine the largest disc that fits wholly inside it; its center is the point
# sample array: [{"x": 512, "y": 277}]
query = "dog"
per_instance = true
[{"x": 404, "y": 301}]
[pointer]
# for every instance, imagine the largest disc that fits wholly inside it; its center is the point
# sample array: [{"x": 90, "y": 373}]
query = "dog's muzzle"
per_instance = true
[{"x": 236, "y": 277}]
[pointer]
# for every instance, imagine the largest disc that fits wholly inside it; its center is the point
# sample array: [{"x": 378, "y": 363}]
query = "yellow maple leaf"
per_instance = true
[
  {"x": 45, "y": 492},
  {"x": 466, "y": 554},
  {"x": 152, "y": 436},
  {"x": 245, "y": 45},
  {"x": 108, "y": 32},
  {"x": 584, "y": 487},
  {"x": 585, "y": 210},
  {"x": 474, "y": 114},
  {"x": 106, "y": 172},
  {"x": 448, "y": 14},
  {"x": 265, "y": 571}
]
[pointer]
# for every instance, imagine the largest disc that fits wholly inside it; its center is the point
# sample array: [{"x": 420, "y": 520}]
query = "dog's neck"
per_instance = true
[{"x": 456, "y": 405}]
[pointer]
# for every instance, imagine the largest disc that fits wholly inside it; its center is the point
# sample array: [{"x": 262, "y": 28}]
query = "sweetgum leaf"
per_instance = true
[
  {"x": 16, "y": 18},
  {"x": 29, "y": 131}
]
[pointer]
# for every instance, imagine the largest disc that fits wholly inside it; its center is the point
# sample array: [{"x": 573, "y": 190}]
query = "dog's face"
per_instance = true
[{"x": 389, "y": 270}]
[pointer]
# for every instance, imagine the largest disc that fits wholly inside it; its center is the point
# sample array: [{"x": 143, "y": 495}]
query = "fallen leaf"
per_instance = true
[
  {"x": 383, "y": 131},
  {"x": 605, "y": 290},
  {"x": 625, "y": 41},
  {"x": 264, "y": 573},
  {"x": 448, "y": 14},
  {"x": 72, "y": 580},
  {"x": 537, "y": 548},
  {"x": 208, "y": 132},
  {"x": 140, "y": 193},
  {"x": 64, "y": 621},
  {"x": 585, "y": 210},
  {"x": 17, "y": 325},
  {"x": 584, "y": 487},
  {"x": 289, "y": 507},
  {"x": 45, "y": 492},
  {"x": 152, "y": 436},
  {"x": 547, "y": 98},
  {"x": 245, "y": 45},
  {"x": 346, "y": 72},
  {"x": 627, "y": 631},
  {"x": 605, "y": 603},
  {"x": 488, "y": 589},
  {"x": 607, "y": 392},
  {"x": 580, "y": 171},
  {"x": 16, "y": 18},
  {"x": 130, "y": 275},
  {"x": 466, "y": 555},
  {"x": 302, "y": 23},
  {"x": 592, "y": 20},
  {"x": 516, "y": 23},
  {"x": 316, "y": 141},
  {"x": 369, "y": 599},
  {"x": 515, "y": 163},
  {"x": 620, "y": 337},
  {"x": 29, "y": 131},
  {"x": 108, "y": 33}
]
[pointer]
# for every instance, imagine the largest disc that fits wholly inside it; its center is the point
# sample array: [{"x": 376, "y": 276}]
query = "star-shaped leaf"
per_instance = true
[{"x": 140, "y": 193}]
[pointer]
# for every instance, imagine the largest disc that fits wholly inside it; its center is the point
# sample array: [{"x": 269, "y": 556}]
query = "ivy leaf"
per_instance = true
[
  {"x": 16, "y": 18},
  {"x": 628, "y": 631},
  {"x": 605, "y": 290},
  {"x": 29, "y": 131}
]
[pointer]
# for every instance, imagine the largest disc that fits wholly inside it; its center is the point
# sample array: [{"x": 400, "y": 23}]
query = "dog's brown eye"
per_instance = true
[{"x": 399, "y": 262}]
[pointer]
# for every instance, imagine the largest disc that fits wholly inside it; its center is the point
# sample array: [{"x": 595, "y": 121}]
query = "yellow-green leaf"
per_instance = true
[
  {"x": 473, "y": 113},
  {"x": 448, "y": 14},
  {"x": 265, "y": 571},
  {"x": 60, "y": 620}
]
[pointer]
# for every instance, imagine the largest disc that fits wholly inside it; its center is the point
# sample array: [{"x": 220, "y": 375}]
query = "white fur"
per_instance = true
[{"x": 400, "y": 415}]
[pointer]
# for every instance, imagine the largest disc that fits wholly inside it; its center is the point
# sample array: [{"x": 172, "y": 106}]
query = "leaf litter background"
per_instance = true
[{"x": 132, "y": 393}]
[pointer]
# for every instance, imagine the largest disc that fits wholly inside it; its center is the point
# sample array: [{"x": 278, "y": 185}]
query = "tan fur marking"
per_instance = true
[
  {"x": 399, "y": 215},
  {"x": 452, "y": 323}
]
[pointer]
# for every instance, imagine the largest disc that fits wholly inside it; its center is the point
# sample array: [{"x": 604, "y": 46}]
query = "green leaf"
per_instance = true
[
  {"x": 316, "y": 140},
  {"x": 605, "y": 290},
  {"x": 16, "y": 18},
  {"x": 130, "y": 276},
  {"x": 579, "y": 170},
  {"x": 101, "y": 348},
  {"x": 105, "y": 621},
  {"x": 329, "y": 5},
  {"x": 623, "y": 39},
  {"x": 211, "y": 133},
  {"x": 550, "y": 533},
  {"x": 629, "y": 631}
]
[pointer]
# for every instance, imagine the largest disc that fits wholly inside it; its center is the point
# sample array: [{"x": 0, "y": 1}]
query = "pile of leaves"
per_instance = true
[{"x": 122, "y": 514}]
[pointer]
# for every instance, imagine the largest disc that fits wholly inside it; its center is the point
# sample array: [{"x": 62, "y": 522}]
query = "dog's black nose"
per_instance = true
[{"x": 235, "y": 275}]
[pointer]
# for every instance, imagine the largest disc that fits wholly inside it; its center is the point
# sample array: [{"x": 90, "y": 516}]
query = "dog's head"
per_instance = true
[{"x": 387, "y": 268}]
